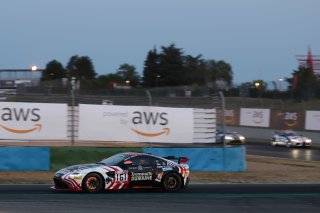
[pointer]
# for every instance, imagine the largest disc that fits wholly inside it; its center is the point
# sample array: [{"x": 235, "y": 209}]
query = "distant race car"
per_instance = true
[
  {"x": 290, "y": 139},
  {"x": 125, "y": 171},
  {"x": 229, "y": 136}
]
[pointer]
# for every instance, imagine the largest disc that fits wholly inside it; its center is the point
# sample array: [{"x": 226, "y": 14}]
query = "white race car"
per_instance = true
[
  {"x": 125, "y": 171},
  {"x": 290, "y": 139},
  {"x": 230, "y": 137}
]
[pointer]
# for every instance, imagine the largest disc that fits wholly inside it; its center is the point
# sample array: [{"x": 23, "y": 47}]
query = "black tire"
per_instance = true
[
  {"x": 172, "y": 182},
  {"x": 93, "y": 183}
]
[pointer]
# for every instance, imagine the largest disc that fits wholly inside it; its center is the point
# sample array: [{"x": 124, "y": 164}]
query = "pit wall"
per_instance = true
[{"x": 231, "y": 159}]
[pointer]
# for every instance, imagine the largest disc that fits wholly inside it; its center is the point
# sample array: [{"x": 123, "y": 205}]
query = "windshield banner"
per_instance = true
[{"x": 135, "y": 123}]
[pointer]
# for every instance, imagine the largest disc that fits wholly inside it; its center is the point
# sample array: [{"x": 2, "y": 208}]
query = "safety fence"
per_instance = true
[{"x": 56, "y": 91}]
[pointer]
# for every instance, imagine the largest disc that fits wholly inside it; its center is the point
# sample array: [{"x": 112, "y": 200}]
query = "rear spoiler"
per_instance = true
[{"x": 180, "y": 159}]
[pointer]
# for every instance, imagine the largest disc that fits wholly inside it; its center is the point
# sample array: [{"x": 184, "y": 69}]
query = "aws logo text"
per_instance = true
[
  {"x": 151, "y": 119},
  {"x": 20, "y": 115},
  {"x": 13, "y": 114}
]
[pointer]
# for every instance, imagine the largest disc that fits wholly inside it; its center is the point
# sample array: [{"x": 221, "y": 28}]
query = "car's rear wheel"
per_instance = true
[
  {"x": 93, "y": 183},
  {"x": 172, "y": 182}
]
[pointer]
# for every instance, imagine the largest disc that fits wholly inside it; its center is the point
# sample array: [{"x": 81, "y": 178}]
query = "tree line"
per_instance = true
[
  {"x": 170, "y": 66},
  {"x": 167, "y": 67}
]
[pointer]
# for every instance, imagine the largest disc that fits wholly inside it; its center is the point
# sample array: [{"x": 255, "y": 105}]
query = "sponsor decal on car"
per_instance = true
[
  {"x": 141, "y": 176},
  {"x": 159, "y": 177},
  {"x": 166, "y": 168},
  {"x": 121, "y": 177}
]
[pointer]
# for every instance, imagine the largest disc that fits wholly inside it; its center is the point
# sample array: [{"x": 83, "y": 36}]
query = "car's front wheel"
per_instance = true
[
  {"x": 172, "y": 182},
  {"x": 273, "y": 142},
  {"x": 289, "y": 144},
  {"x": 93, "y": 183}
]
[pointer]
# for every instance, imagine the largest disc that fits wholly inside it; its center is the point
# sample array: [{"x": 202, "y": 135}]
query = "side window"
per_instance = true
[
  {"x": 141, "y": 161},
  {"x": 159, "y": 162}
]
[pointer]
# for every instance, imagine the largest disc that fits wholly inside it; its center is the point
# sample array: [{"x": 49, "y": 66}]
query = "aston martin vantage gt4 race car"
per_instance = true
[
  {"x": 230, "y": 137},
  {"x": 125, "y": 171},
  {"x": 290, "y": 139}
]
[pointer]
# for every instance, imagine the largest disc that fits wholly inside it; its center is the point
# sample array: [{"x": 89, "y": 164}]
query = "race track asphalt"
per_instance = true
[
  {"x": 197, "y": 198},
  {"x": 293, "y": 153}
]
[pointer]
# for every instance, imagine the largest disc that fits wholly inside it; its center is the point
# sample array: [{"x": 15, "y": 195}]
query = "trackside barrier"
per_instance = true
[
  {"x": 230, "y": 159},
  {"x": 24, "y": 158}
]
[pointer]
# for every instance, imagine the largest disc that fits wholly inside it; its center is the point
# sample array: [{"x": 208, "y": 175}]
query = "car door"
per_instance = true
[{"x": 141, "y": 172}]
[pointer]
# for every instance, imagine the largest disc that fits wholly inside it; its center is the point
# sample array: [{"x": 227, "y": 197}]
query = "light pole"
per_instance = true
[
  {"x": 50, "y": 84},
  {"x": 157, "y": 80},
  {"x": 34, "y": 68},
  {"x": 280, "y": 83},
  {"x": 258, "y": 88}
]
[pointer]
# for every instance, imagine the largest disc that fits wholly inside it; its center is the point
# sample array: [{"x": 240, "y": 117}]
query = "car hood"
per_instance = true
[
  {"x": 298, "y": 137},
  {"x": 233, "y": 134},
  {"x": 78, "y": 168}
]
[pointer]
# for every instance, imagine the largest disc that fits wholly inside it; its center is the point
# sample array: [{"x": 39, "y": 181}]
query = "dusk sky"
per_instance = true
[{"x": 258, "y": 38}]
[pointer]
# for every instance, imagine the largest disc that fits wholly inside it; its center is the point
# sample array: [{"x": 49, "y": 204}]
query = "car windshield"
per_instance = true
[
  {"x": 226, "y": 131},
  {"x": 294, "y": 134},
  {"x": 114, "y": 160}
]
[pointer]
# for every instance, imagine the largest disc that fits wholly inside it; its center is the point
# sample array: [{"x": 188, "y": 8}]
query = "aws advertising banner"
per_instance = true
[
  {"x": 135, "y": 123},
  {"x": 33, "y": 121},
  {"x": 255, "y": 117},
  {"x": 231, "y": 117},
  {"x": 312, "y": 120},
  {"x": 293, "y": 120}
]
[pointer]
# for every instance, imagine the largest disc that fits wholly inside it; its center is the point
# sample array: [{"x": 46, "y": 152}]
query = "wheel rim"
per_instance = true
[
  {"x": 92, "y": 183},
  {"x": 172, "y": 183}
]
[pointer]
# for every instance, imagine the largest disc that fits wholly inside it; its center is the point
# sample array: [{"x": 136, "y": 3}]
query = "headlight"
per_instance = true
[
  {"x": 228, "y": 137},
  {"x": 75, "y": 175},
  {"x": 242, "y": 137},
  {"x": 308, "y": 140},
  {"x": 58, "y": 175}
]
